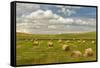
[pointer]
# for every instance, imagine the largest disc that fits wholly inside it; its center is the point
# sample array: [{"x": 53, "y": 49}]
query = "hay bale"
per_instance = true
[
  {"x": 35, "y": 43},
  {"x": 93, "y": 42},
  {"x": 88, "y": 52},
  {"x": 50, "y": 44},
  {"x": 66, "y": 47},
  {"x": 76, "y": 54},
  {"x": 73, "y": 38},
  {"x": 83, "y": 41},
  {"x": 67, "y": 41},
  {"x": 59, "y": 40},
  {"x": 79, "y": 40}
]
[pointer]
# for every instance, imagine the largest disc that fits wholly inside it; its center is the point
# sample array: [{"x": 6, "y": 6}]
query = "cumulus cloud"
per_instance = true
[
  {"x": 68, "y": 10},
  {"x": 24, "y": 8},
  {"x": 52, "y": 26},
  {"x": 41, "y": 15},
  {"x": 45, "y": 21}
]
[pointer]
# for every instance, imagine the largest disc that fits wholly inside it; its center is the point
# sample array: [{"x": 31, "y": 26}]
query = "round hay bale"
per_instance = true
[
  {"x": 73, "y": 38},
  {"x": 83, "y": 41},
  {"x": 67, "y": 41},
  {"x": 50, "y": 44},
  {"x": 59, "y": 40},
  {"x": 66, "y": 47},
  {"x": 76, "y": 54},
  {"x": 35, "y": 43},
  {"x": 93, "y": 42},
  {"x": 88, "y": 52},
  {"x": 79, "y": 40}
]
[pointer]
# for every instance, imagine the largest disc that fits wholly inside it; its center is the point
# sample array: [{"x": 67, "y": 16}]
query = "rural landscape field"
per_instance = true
[
  {"x": 47, "y": 33},
  {"x": 27, "y": 53}
]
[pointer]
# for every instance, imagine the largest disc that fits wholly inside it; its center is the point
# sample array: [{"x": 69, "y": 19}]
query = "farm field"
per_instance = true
[{"x": 27, "y": 53}]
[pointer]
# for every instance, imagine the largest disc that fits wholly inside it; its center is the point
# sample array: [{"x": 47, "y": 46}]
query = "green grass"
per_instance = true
[
  {"x": 88, "y": 35},
  {"x": 27, "y": 54}
]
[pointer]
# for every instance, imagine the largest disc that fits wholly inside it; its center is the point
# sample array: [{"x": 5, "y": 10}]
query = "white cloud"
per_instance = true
[
  {"x": 68, "y": 10},
  {"x": 91, "y": 22},
  {"x": 48, "y": 13},
  {"x": 69, "y": 7},
  {"x": 52, "y": 26},
  {"x": 62, "y": 20},
  {"x": 45, "y": 21},
  {"x": 40, "y": 14},
  {"x": 65, "y": 20},
  {"x": 24, "y": 8}
]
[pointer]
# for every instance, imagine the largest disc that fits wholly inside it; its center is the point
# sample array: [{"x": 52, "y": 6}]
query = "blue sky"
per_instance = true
[
  {"x": 55, "y": 19},
  {"x": 89, "y": 12}
]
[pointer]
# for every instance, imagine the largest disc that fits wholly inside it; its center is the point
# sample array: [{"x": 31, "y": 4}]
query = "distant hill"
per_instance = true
[{"x": 87, "y": 35}]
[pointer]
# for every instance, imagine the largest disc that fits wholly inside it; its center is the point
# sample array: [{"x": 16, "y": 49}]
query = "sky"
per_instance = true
[{"x": 54, "y": 19}]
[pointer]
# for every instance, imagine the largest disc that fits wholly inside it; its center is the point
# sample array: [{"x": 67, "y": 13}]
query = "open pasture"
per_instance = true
[{"x": 27, "y": 53}]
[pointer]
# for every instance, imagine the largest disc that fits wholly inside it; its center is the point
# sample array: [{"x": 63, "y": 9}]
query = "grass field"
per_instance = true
[{"x": 27, "y": 54}]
